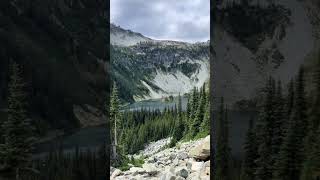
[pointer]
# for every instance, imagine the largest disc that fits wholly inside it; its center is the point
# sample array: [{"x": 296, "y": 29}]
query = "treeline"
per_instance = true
[
  {"x": 17, "y": 129},
  {"x": 132, "y": 130},
  {"x": 283, "y": 142},
  {"x": 78, "y": 164},
  {"x": 17, "y": 139}
]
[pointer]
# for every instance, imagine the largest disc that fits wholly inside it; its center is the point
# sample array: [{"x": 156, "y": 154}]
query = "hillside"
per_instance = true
[
  {"x": 61, "y": 46},
  {"x": 151, "y": 69},
  {"x": 257, "y": 40}
]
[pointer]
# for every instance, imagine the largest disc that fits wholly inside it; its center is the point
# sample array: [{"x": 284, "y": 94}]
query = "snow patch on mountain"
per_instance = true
[{"x": 177, "y": 83}]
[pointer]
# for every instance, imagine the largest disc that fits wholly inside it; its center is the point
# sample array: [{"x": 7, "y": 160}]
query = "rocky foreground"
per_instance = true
[{"x": 189, "y": 160}]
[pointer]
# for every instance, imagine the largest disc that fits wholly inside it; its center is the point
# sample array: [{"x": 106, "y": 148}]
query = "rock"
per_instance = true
[
  {"x": 201, "y": 151},
  {"x": 136, "y": 170},
  {"x": 172, "y": 156},
  {"x": 197, "y": 166},
  {"x": 182, "y": 156},
  {"x": 175, "y": 162},
  {"x": 180, "y": 178},
  {"x": 150, "y": 169},
  {"x": 168, "y": 176},
  {"x": 115, "y": 173},
  {"x": 183, "y": 172},
  {"x": 194, "y": 176}
]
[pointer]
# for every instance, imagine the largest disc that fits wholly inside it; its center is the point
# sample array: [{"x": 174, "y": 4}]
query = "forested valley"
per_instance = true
[{"x": 132, "y": 130}]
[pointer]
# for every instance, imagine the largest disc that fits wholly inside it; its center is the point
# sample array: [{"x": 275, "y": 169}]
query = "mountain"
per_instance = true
[
  {"x": 122, "y": 37},
  {"x": 61, "y": 46},
  {"x": 144, "y": 68},
  {"x": 254, "y": 41}
]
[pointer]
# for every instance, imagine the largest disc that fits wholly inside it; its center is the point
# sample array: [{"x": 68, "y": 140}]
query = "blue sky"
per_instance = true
[{"x": 183, "y": 20}]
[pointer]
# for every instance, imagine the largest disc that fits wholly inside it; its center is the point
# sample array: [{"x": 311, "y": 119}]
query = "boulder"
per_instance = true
[
  {"x": 182, "y": 172},
  {"x": 197, "y": 166},
  {"x": 115, "y": 173},
  {"x": 150, "y": 169},
  {"x": 202, "y": 150}
]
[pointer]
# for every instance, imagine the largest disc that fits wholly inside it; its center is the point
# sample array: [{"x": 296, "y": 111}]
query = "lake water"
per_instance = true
[
  {"x": 156, "y": 104},
  {"x": 95, "y": 137}
]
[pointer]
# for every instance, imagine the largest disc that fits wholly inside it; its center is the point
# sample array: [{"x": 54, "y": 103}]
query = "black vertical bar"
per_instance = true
[
  {"x": 212, "y": 87},
  {"x": 108, "y": 79}
]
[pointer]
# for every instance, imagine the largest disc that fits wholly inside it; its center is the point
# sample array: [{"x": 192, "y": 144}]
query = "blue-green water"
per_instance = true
[{"x": 155, "y": 104}]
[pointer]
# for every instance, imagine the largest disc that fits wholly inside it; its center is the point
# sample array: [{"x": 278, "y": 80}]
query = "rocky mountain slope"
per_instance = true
[
  {"x": 189, "y": 160},
  {"x": 256, "y": 40},
  {"x": 148, "y": 69},
  {"x": 62, "y": 46},
  {"x": 122, "y": 37}
]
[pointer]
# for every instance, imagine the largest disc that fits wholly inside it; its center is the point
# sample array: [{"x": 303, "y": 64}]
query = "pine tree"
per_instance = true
[
  {"x": 251, "y": 153},
  {"x": 278, "y": 124},
  {"x": 114, "y": 119},
  {"x": 205, "y": 125},
  {"x": 291, "y": 156},
  {"x": 311, "y": 166},
  {"x": 265, "y": 134},
  {"x": 180, "y": 125},
  {"x": 199, "y": 113},
  {"x": 15, "y": 152},
  {"x": 222, "y": 156}
]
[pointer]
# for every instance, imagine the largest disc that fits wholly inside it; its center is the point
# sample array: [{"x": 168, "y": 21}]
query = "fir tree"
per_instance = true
[
  {"x": 15, "y": 152},
  {"x": 291, "y": 156},
  {"x": 179, "y": 127},
  {"x": 265, "y": 134},
  {"x": 251, "y": 153},
  {"x": 114, "y": 119},
  {"x": 222, "y": 156},
  {"x": 311, "y": 166}
]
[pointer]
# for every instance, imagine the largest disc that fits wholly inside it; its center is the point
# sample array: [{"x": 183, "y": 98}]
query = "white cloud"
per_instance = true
[{"x": 184, "y": 20}]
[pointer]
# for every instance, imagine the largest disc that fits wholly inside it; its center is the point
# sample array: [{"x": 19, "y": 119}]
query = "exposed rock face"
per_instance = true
[
  {"x": 156, "y": 69},
  {"x": 89, "y": 115},
  {"x": 172, "y": 164}
]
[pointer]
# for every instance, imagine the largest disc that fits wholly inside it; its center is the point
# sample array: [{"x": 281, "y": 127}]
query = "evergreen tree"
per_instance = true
[
  {"x": 222, "y": 156},
  {"x": 311, "y": 166},
  {"x": 291, "y": 156},
  {"x": 114, "y": 119},
  {"x": 205, "y": 125},
  {"x": 265, "y": 134},
  {"x": 251, "y": 153},
  {"x": 15, "y": 152},
  {"x": 278, "y": 124},
  {"x": 199, "y": 113},
  {"x": 179, "y": 127}
]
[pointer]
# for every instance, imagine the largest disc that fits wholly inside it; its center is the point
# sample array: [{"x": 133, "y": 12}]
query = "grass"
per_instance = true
[{"x": 135, "y": 162}]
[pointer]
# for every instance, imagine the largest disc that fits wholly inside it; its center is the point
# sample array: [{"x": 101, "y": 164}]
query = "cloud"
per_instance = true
[{"x": 183, "y": 20}]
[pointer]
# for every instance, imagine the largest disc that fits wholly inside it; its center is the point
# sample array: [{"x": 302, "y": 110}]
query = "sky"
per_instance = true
[{"x": 181, "y": 20}]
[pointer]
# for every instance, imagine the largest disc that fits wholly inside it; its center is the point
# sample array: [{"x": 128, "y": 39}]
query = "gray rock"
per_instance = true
[
  {"x": 150, "y": 169},
  {"x": 201, "y": 151},
  {"x": 172, "y": 156},
  {"x": 168, "y": 176},
  {"x": 183, "y": 172},
  {"x": 182, "y": 156}
]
